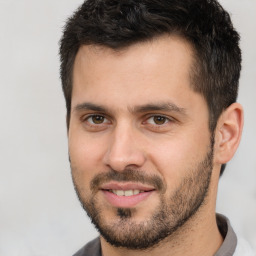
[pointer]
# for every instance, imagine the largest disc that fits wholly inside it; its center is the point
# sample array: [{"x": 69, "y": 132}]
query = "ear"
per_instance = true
[{"x": 228, "y": 133}]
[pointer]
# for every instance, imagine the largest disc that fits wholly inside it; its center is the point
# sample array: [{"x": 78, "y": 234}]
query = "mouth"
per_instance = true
[
  {"x": 126, "y": 195},
  {"x": 126, "y": 192}
]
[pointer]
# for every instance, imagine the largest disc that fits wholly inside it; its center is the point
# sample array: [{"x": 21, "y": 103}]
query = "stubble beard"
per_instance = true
[{"x": 168, "y": 216}]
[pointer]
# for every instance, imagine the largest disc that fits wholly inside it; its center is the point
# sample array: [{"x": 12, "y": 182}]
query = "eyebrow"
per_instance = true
[
  {"x": 89, "y": 106},
  {"x": 166, "y": 106}
]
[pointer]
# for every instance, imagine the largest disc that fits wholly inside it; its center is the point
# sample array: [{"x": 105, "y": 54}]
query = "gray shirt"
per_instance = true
[{"x": 227, "y": 248}]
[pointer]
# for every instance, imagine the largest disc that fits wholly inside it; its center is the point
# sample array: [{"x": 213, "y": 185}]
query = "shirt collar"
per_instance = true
[{"x": 229, "y": 244}]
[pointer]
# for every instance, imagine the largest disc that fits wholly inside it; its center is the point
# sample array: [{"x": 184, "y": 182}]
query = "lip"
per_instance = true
[
  {"x": 126, "y": 186},
  {"x": 126, "y": 201}
]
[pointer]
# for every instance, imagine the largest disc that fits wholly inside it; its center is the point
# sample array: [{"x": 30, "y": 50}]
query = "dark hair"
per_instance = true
[{"x": 120, "y": 23}]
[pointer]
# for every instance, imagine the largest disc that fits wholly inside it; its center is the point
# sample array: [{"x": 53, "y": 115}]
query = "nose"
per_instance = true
[{"x": 124, "y": 150}]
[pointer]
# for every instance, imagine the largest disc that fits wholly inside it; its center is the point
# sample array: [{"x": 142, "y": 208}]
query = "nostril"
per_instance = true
[{"x": 131, "y": 161}]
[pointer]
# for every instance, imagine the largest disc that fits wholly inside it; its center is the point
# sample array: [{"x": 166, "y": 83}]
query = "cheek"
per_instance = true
[
  {"x": 175, "y": 157},
  {"x": 85, "y": 156}
]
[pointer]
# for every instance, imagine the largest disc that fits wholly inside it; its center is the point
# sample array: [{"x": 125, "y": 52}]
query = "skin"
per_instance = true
[{"x": 122, "y": 83}]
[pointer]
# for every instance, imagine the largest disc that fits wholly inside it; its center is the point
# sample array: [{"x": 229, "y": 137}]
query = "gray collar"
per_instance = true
[{"x": 230, "y": 240}]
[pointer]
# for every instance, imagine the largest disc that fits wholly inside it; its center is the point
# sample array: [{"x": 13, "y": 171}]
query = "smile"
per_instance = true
[
  {"x": 127, "y": 192},
  {"x": 126, "y": 198}
]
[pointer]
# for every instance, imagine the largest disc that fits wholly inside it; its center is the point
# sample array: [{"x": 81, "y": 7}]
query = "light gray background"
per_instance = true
[{"x": 39, "y": 212}]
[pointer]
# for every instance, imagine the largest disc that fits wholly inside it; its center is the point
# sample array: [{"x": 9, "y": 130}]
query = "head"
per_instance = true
[
  {"x": 108, "y": 76},
  {"x": 204, "y": 24}
]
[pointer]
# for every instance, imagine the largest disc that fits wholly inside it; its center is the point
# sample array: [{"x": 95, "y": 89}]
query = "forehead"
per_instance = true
[{"x": 158, "y": 70}]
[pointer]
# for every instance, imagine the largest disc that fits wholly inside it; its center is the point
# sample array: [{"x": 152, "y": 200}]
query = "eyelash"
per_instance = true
[
  {"x": 86, "y": 119},
  {"x": 161, "y": 118}
]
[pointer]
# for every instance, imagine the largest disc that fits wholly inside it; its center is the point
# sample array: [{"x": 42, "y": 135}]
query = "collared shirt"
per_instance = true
[{"x": 230, "y": 246}]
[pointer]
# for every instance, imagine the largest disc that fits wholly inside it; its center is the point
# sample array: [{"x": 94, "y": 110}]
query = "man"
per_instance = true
[{"x": 150, "y": 89}]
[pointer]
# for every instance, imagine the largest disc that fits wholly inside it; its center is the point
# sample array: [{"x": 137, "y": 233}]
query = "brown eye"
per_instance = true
[
  {"x": 96, "y": 119},
  {"x": 159, "y": 120}
]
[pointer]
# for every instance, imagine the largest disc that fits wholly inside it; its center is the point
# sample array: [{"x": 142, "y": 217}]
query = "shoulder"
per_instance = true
[{"x": 91, "y": 249}]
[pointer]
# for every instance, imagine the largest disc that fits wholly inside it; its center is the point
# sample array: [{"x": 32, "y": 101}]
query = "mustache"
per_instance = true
[{"x": 127, "y": 175}]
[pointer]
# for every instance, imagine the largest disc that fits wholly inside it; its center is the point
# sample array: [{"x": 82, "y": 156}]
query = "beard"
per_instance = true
[{"x": 168, "y": 216}]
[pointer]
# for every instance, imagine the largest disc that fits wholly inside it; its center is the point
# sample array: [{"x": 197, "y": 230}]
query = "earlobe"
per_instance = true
[{"x": 228, "y": 133}]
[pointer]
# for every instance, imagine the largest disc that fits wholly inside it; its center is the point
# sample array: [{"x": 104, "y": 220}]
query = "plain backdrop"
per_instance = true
[{"x": 39, "y": 212}]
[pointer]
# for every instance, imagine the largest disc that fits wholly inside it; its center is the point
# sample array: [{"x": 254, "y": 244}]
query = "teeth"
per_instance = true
[
  {"x": 136, "y": 192},
  {"x": 126, "y": 192},
  {"x": 119, "y": 192}
]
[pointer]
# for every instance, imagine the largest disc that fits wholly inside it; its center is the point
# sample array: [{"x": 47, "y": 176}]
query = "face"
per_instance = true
[{"x": 139, "y": 143}]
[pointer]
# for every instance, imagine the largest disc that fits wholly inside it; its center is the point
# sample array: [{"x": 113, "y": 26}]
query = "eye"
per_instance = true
[
  {"x": 96, "y": 119},
  {"x": 158, "y": 120}
]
